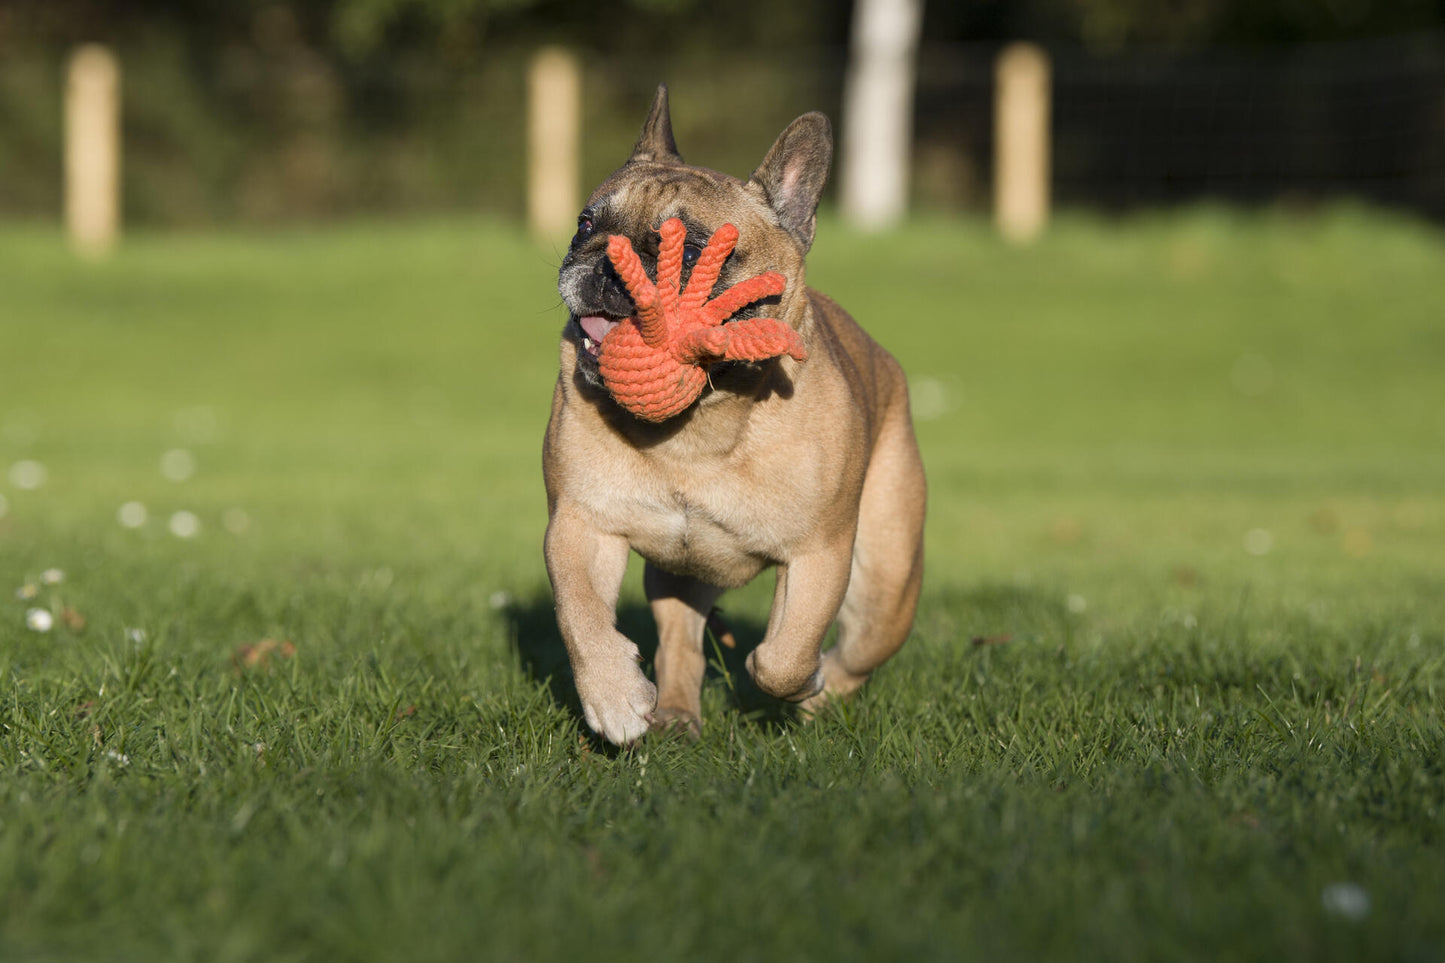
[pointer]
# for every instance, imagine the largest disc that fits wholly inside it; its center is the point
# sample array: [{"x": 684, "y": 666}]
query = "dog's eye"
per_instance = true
[
  {"x": 690, "y": 254},
  {"x": 584, "y": 228}
]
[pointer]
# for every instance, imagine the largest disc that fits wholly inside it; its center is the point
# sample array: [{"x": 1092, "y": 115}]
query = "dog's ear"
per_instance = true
[
  {"x": 794, "y": 172},
  {"x": 656, "y": 143}
]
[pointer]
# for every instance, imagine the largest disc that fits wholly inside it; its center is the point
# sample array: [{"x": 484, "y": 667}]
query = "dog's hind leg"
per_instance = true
[
  {"x": 680, "y": 605},
  {"x": 887, "y": 571}
]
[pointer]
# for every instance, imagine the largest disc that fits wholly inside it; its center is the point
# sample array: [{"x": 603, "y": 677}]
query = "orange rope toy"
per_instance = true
[{"x": 654, "y": 363}]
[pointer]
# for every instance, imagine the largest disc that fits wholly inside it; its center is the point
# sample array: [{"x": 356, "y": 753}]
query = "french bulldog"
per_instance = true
[{"x": 807, "y": 467}]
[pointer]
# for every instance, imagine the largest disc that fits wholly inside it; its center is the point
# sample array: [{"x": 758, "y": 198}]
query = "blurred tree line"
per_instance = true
[
  {"x": 265, "y": 110},
  {"x": 459, "y": 31}
]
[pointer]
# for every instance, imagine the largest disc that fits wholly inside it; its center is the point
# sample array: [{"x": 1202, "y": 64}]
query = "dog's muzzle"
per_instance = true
[
  {"x": 597, "y": 301},
  {"x": 594, "y": 327}
]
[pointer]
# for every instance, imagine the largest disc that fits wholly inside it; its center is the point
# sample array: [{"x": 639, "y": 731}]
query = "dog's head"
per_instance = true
[{"x": 774, "y": 211}]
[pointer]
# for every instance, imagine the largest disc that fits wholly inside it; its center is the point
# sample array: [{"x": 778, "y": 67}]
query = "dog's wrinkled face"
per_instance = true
[
  {"x": 634, "y": 204},
  {"x": 655, "y": 185}
]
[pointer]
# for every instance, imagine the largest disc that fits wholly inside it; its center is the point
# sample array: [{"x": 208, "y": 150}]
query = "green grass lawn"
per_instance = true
[{"x": 1174, "y": 691}]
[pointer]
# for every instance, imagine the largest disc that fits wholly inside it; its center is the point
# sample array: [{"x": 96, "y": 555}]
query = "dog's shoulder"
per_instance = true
[{"x": 864, "y": 363}]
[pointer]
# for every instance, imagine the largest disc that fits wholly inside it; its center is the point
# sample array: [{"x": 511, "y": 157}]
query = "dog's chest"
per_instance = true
[{"x": 709, "y": 524}]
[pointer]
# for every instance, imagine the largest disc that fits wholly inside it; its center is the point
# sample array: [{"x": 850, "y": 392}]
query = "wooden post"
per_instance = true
[
  {"x": 92, "y": 151},
  {"x": 1021, "y": 143},
  {"x": 878, "y": 111},
  {"x": 554, "y": 121}
]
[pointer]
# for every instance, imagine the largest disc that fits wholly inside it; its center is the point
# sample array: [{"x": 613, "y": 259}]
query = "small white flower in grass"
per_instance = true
[
  {"x": 1076, "y": 604},
  {"x": 136, "y": 636},
  {"x": 39, "y": 620},
  {"x": 52, "y": 576},
  {"x": 27, "y": 474},
  {"x": 378, "y": 578},
  {"x": 928, "y": 397},
  {"x": 132, "y": 515},
  {"x": 184, "y": 524},
  {"x": 178, "y": 464},
  {"x": 500, "y": 599},
  {"x": 27, "y": 591},
  {"x": 1258, "y": 541},
  {"x": 1348, "y": 901},
  {"x": 117, "y": 757},
  {"x": 236, "y": 521}
]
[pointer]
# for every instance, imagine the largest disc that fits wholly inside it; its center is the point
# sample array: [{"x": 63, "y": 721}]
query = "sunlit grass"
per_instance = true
[{"x": 1175, "y": 688}]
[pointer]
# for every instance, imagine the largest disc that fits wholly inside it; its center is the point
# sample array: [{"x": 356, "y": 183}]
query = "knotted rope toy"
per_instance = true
[{"x": 655, "y": 363}]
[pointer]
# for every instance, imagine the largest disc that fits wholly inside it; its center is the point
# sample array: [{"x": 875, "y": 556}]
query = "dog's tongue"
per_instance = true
[{"x": 596, "y": 326}]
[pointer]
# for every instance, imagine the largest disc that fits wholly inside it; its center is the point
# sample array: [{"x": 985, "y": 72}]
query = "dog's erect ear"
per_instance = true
[
  {"x": 656, "y": 143},
  {"x": 794, "y": 172}
]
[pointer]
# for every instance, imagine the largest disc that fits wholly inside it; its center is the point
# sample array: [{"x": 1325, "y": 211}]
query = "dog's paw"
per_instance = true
[
  {"x": 677, "y": 722},
  {"x": 785, "y": 679},
  {"x": 619, "y": 710},
  {"x": 838, "y": 683}
]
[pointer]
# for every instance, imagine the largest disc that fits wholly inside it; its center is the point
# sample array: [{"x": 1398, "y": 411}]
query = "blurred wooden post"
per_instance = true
[
  {"x": 878, "y": 111},
  {"x": 92, "y": 151},
  {"x": 554, "y": 120},
  {"x": 1021, "y": 142}
]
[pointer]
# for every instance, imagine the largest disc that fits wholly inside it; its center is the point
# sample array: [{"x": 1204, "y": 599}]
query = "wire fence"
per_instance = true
[
  {"x": 255, "y": 137},
  {"x": 1363, "y": 120}
]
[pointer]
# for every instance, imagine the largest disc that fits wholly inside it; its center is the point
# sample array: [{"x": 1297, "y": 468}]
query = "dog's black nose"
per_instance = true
[
  {"x": 608, "y": 278},
  {"x": 604, "y": 289}
]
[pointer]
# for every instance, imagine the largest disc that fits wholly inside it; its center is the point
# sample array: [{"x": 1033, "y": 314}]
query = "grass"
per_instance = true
[{"x": 1174, "y": 691}]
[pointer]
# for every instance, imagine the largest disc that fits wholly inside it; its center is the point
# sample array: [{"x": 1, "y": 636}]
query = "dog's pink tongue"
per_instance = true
[{"x": 596, "y": 326}]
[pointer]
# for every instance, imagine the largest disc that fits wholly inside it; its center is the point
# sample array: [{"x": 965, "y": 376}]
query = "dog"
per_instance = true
[{"x": 810, "y": 468}]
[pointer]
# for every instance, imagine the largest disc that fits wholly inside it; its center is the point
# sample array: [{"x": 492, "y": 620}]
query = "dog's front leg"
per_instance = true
[
  {"x": 809, "y": 593},
  {"x": 586, "y": 568}
]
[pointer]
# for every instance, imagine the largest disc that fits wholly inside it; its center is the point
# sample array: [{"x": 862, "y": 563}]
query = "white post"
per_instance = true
[
  {"x": 878, "y": 111},
  {"x": 1021, "y": 143},
  {"x": 554, "y": 121},
  {"x": 92, "y": 151}
]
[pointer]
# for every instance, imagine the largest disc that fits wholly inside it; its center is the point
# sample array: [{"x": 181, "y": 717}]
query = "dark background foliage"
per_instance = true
[{"x": 255, "y": 112}]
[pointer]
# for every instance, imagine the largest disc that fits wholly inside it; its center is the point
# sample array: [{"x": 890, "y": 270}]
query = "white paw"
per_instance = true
[{"x": 620, "y": 712}]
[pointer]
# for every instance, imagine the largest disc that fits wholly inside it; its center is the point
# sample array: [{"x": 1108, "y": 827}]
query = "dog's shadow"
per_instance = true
[{"x": 532, "y": 626}]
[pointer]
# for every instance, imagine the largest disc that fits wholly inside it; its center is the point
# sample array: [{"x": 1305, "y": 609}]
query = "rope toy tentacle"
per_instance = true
[
  {"x": 709, "y": 265},
  {"x": 752, "y": 339},
  {"x": 654, "y": 363},
  {"x": 740, "y": 295},
  {"x": 629, "y": 267},
  {"x": 669, "y": 263}
]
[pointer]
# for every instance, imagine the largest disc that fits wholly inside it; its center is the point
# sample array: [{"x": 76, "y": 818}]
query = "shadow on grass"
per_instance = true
[
  {"x": 532, "y": 625},
  {"x": 977, "y": 622}
]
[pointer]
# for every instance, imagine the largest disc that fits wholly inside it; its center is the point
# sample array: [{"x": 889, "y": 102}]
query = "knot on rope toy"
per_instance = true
[{"x": 654, "y": 363}]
